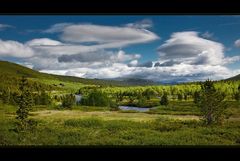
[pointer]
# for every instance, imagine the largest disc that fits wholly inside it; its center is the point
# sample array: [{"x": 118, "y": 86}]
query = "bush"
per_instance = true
[
  {"x": 238, "y": 141},
  {"x": 164, "y": 126},
  {"x": 149, "y": 93},
  {"x": 141, "y": 102},
  {"x": 236, "y": 96},
  {"x": 68, "y": 101},
  {"x": 42, "y": 99},
  {"x": 96, "y": 98},
  {"x": 113, "y": 106}
]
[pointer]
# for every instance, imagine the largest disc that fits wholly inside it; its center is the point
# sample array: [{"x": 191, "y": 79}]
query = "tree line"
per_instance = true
[{"x": 210, "y": 100}]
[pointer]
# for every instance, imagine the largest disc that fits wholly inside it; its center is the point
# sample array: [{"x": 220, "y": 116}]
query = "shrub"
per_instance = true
[
  {"x": 141, "y": 102},
  {"x": 68, "y": 101},
  {"x": 238, "y": 141},
  {"x": 42, "y": 99},
  {"x": 96, "y": 98},
  {"x": 113, "y": 106},
  {"x": 149, "y": 93},
  {"x": 166, "y": 126}
]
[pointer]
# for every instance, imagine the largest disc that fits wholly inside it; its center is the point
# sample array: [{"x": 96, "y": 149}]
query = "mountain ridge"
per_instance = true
[
  {"x": 17, "y": 70},
  {"x": 234, "y": 78}
]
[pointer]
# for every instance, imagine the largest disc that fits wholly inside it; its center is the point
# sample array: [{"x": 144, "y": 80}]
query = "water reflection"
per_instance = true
[{"x": 139, "y": 109}]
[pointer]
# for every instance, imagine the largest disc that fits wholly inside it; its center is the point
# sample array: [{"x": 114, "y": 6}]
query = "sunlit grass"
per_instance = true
[{"x": 99, "y": 126}]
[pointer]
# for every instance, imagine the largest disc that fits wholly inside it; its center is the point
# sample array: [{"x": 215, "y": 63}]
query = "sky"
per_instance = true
[{"x": 160, "y": 48}]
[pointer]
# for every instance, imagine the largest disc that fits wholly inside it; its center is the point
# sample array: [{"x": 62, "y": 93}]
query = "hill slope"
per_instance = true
[
  {"x": 237, "y": 77},
  {"x": 15, "y": 70}
]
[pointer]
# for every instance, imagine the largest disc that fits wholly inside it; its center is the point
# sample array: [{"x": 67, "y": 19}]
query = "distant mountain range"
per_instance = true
[{"x": 136, "y": 81}]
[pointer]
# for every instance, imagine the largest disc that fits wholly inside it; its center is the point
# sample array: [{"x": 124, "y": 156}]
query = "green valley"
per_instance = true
[{"x": 175, "y": 114}]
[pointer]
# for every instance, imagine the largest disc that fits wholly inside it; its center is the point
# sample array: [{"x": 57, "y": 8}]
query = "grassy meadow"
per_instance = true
[{"x": 178, "y": 124}]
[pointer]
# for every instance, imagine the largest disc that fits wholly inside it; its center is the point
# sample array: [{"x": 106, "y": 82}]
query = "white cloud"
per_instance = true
[
  {"x": 110, "y": 36},
  {"x": 15, "y": 49},
  {"x": 26, "y": 64},
  {"x": 64, "y": 49},
  {"x": 87, "y": 51},
  {"x": 57, "y": 28},
  {"x": 182, "y": 72},
  {"x": 237, "y": 43},
  {"x": 207, "y": 35},
  {"x": 189, "y": 48},
  {"x": 99, "y": 56},
  {"x": 184, "y": 57},
  {"x": 89, "y": 43},
  {"x": 228, "y": 60},
  {"x": 143, "y": 24},
  {"x": 43, "y": 42},
  {"x": 48, "y": 46},
  {"x": 133, "y": 63},
  {"x": 122, "y": 56},
  {"x": 5, "y": 26}
]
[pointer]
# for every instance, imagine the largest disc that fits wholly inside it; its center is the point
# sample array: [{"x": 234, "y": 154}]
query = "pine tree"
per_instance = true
[
  {"x": 237, "y": 94},
  {"x": 196, "y": 97},
  {"x": 164, "y": 99},
  {"x": 6, "y": 96},
  {"x": 24, "y": 105},
  {"x": 211, "y": 103},
  {"x": 180, "y": 96},
  {"x": 44, "y": 98}
]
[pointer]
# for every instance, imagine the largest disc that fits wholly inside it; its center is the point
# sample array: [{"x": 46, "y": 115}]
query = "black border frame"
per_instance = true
[{"x": 123, "y": 7}]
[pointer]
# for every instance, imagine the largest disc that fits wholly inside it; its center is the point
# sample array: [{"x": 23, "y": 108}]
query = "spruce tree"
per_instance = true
[
  {"x": 44, "y": 98},
  {"x": 180, "y": 96},
  {"x": 237, "y": 94},
  {"x": 164, "y": 99},
  {"x": 196, "y": 97},
  {"x": 24, "y": 105},
  {"x": 6, "y": 96},
  {"x": 211, "y": 103}
]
